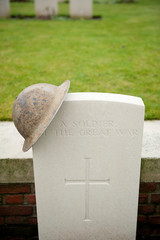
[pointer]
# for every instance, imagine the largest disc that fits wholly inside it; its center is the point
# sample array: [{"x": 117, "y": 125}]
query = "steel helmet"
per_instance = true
[{"x": 34, "y": 109}]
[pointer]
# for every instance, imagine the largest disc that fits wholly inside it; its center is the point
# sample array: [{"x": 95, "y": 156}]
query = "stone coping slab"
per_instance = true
[
  {"x": 11, "y": 141},
  {"x": 17, "y": 166}
]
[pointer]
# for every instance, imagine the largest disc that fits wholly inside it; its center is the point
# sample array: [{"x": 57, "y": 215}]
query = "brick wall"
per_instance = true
[
  {"x": 148, "y": 226},
  {"x": 18, "y": 220}
]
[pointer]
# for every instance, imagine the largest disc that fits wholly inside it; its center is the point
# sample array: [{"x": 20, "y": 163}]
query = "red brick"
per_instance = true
[
  {"x": 154, "y": 237},
  {"x": 148, "y": 187},
  {"x": 146, "y": 209},
  {"x": 15, "y": 210},
  {"x": 31, "y": 199},
  {"x": 154, "y": 219},
  {"x": 16, "y": 220},
  {"x": 143, "y": 198},
  {"x": 155, "y": 198},
  {"x": 18, "y": 232},
  {"x": 144, "y": 229},
  {"x": 33, "y": 188},
  {"x": 141, "y": 218},
  {"x": 14, "y": 199},
  {"x": 157, "y": 231},
  {"x": 1, "y": 220},
  {"x": 15, "y": 188},
  {"x": 32, "y": 221}
]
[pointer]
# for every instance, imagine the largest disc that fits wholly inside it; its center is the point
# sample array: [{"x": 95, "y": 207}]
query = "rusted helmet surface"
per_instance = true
[{"x": 34, "y": 109}]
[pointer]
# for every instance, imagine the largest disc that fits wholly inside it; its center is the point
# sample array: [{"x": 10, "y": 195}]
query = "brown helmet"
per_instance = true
[{"x": 34, "y": 109}]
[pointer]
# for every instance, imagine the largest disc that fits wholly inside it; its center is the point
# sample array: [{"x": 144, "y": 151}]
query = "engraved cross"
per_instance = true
[{"x": 87, "y": 182}]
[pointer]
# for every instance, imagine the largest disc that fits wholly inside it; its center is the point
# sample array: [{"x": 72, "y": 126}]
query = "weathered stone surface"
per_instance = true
[
  {"x": 4, "y": 8},
  {"x": 16, "y": 171},
  {"x": 87, "y": 168},
  {"x": 47, "y": 8},
  {"x": 81, "y": 8},
  {"x": 11, "y": 143},
  {"x": 151, "y": 140},
  {"x": 150, "y": 170}
]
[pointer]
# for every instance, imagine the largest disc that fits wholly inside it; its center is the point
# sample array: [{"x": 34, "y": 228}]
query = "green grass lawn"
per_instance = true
[{"x": 118, "y": 54}]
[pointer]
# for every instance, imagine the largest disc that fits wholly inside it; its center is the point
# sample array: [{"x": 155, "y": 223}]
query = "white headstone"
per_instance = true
[
  {"x": 81, "y": 8},
  {"x": 46, "y": 8},
  {"x": 4, "y": 8},
  {"x": 87, "y": 168}
]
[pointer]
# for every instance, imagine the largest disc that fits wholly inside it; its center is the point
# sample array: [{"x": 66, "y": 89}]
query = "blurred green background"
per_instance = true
[{"x": 119, "y": 53}]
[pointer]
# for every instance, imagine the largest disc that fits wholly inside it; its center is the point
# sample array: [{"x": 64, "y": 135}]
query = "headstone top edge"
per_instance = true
[{"x": 110, "y": 97}]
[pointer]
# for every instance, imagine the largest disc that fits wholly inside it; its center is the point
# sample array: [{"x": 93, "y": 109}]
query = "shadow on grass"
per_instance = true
[{"x": 60, "y": 17}]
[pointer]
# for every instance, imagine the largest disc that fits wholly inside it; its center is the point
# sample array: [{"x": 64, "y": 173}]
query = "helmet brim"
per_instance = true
[{"x": 61, "y": 92}]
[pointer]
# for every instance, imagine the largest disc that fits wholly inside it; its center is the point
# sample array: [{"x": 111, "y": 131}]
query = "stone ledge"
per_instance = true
[
  {"x": 150, "y": 170},
  {"x": 17, "y": 166},
  {"x": 151, "y": 140},
  {"x": 11, "y": 143},
  {"x": 16, "y": 171},
  {"x": 21, "y": 170}
]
